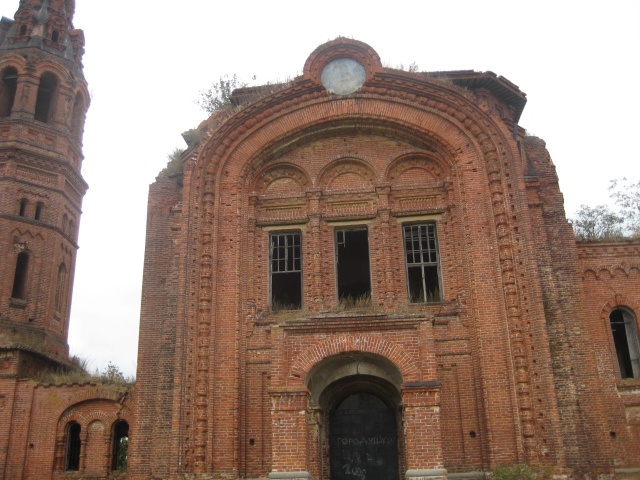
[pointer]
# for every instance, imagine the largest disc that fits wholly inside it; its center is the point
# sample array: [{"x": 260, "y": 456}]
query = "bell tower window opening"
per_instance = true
[
  {"x": 352, "y": 266},
  {"x": 55, "y": 35},
  {"x": 45, "y": 97},
  {"x": 20, "y": 277},
  {"x": 23, "y": 30},
  {"x": 422, "y": 263},
  {"x": 285, "y": 259},
  {"x": 625, "y": 338},
  {"x": 8, "y": 87},
  {"x": 61, "y": 290},
  {"x": 23, "y": 207},
  {"x": 38, "y": 213},
  {"x": 72, "y": 453}
]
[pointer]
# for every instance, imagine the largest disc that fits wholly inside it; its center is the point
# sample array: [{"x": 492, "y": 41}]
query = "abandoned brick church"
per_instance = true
[{"x": 365, "y": 273}]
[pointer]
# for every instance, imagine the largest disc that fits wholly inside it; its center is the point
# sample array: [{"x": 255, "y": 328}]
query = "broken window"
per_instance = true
[
  {"x": 352, "y": 266},
  {"x": 45, "y": 97},
  {"x": 120, "y": 446},
  {"x": 286, "y": 271},
  {"x": 20, "y": 277},
  {"x": 422, "y": 263},
  {"x": 625, "y": 339},
  {"x": 8, "y": 88},
  {"x": 72, "y": 453}
]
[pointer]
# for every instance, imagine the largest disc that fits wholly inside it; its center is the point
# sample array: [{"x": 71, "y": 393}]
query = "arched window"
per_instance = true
[
  {"x": 20, "y": 277},
  {"x": 120, "y": 445},
  {"x": 78, "y": 117},
  {"x": 23, "y": 207},
  {"x": 625, "y": 337},
  {"x": 8, "y": 88},
  {"x": 72, "y": 453},
  {"x": 45, "y": 98},
  {"x": 23, "y": 30},
  {"x": 55, "y": 35},
  {"x": 61, "y": 290},
  {"x": 38, "y": 213}
]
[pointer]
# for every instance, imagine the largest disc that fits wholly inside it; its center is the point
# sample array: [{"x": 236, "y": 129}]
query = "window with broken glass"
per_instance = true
[
  {"x": 422, "y": 263},
  {"x": 285, "y": 258}
]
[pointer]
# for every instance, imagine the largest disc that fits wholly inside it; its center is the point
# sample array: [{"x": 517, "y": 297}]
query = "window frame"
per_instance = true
[
  {"x": 435, "y": 250},
  {"x": 631, "y": 354},
  {"x": 295, "y": 262}
]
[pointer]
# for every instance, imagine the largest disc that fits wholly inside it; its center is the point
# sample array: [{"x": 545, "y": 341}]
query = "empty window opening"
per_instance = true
[
  {"x": 38, "y": 213},
  {"x": 23, "y": 207},
  {"x": 23, "y": 30},
  {"x": 422, "y": 263},
  {"x": 625, "y": 339},
  {"x": 55, "y": 35},
  {"x": 20, "y": 278},
  {"x": 120, "y": 446},
  {"x": 61, "y": 290},
  {"x": 72, "y": 454},
  {"x": 45, "y": 97},
  {"x": 286, "y": 271},
  {"x": 352, "y": 267},
  {"x": 8, "y": 89}
]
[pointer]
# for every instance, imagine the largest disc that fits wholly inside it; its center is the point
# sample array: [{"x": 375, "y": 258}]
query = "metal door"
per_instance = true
[{"x": 363, "y": 445}]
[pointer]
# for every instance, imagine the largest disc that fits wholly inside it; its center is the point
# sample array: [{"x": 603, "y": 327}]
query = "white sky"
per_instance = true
[{"x": 146, "y": 62}]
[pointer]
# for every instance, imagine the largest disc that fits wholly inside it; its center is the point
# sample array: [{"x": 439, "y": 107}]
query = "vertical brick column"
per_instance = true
[
  {"x": 421, "y": 418},
  {"x": 290, "y": 446}
]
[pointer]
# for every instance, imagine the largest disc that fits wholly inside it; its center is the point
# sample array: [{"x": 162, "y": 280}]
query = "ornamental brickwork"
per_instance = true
[{"x": 364, "y": 273}]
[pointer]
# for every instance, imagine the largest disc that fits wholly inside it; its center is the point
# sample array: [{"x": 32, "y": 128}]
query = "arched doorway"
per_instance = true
[{"x": 358, "y": 396}]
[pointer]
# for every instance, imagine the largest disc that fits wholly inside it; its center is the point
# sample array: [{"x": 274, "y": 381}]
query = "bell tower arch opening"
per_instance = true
[{"x": 358, "y": 397}]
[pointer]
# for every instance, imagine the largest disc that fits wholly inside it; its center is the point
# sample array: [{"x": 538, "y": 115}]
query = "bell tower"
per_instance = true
[{"x": 43, "y": 103}]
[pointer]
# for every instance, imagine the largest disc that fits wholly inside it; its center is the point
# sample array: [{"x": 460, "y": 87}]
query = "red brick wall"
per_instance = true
[{"x": 515, "y": 376}]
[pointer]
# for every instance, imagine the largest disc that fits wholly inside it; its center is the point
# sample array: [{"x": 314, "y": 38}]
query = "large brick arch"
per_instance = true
[{"x": 303, "y": 364}]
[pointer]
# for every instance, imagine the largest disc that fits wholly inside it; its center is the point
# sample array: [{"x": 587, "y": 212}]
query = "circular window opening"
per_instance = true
[{"x": 343, "y": 76}]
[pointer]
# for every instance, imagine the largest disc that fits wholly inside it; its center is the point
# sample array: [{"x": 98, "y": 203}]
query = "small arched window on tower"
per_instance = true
[
  {"x": 20, "y": 278},
  {"x": 120, "y": 446},
  {"x": 23, "y": 207},
  {"x": 45, "y": 98},
  {"x": 61, "y": 290},
  {"x": 72, "y": 452},
  {"x": 38, "y": 213},
  {"x": 625, "y": 338},
  {"x": 23, "y": 30},
  {"x": 78, "y": 117},
  {"x": 8, "y": 88},
  {"x": 55, "y": 35}
]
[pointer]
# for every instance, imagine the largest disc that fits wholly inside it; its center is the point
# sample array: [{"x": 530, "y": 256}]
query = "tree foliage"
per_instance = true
[
  {"x": 602, "y": 223},
  {"x": 218, "y": 96},
  {"x": 597, "y": 223},
  {"x": 626, "y": 194},
  {"x": 113, "y": 374}
]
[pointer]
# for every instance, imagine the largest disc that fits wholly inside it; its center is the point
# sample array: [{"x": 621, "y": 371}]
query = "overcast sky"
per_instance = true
[{"x": 146, "y": 62}]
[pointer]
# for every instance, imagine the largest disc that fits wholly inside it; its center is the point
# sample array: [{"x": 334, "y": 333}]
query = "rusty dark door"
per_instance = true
[{"x": 364, "y": 444}]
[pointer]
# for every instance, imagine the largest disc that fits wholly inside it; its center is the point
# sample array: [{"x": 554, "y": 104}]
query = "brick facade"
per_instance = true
[{"x": 363, "y": 269}]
